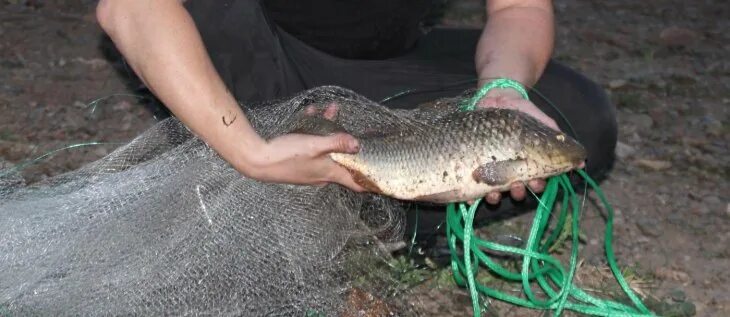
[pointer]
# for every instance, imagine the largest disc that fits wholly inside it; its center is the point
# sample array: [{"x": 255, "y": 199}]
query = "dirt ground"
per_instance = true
[{"x": 664, "y": 63}]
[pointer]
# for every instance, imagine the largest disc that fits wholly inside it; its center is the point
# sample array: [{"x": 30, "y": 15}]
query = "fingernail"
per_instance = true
[{"x": 354, "y": 145}]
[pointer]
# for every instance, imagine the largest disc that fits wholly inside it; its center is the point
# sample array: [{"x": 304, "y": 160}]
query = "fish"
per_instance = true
[{"x": 459, "y": 157}]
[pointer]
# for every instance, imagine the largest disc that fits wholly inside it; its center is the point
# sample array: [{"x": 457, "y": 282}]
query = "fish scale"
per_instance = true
[{"x": 462, "y": 156}]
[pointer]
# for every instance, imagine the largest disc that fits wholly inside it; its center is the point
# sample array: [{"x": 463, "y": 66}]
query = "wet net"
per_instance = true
[{"x": 163, "y": 225}]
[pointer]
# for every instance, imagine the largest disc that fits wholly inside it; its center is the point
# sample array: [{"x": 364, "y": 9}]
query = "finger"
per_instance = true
[
  {"x": 550, "y": 123},
  {"x": 486, "y": 103},
  {"x": 493, "y": 197},
  {"x": 493, "y": 102},
  {"x": 310, "y": 110},
  {"x": 545, "y": 119},
  {"x": 344, "y": 178},
  {"x": 537, "y": 185},
  {"x": 338, "y": 143},
  {"x": 330, "y": 112},
  {"x": 517, "y": 191}
]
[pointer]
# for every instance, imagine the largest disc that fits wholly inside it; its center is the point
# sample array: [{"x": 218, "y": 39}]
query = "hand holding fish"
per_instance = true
[{"x": 511, "y": 99}]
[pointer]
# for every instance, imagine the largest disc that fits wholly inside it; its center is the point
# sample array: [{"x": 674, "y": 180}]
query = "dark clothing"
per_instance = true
[
  {"x": 373, "y": 29},
  {"x": 281, "y": 48}
]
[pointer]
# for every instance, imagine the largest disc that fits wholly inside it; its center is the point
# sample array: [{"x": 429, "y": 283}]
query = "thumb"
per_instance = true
[{"x": 340, "y": 143}]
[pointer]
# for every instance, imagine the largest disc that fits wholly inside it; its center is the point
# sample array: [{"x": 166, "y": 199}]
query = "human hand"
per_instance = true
[
  {"x": 511, "y": 99},
  {"x": 304, "y": 159}
]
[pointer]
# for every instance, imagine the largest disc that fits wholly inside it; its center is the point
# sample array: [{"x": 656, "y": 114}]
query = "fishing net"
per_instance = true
[{"x": 163, "y": 225}]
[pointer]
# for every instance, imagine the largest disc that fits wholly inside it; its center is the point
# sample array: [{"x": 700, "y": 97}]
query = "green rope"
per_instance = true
[
  {"x": 38, "y": 159},
  {"x": 496, "y": 83},
  {"x": 539, "y": 269}
]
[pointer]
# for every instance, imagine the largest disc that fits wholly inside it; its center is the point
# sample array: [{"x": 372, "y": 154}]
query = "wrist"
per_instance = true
[
  {"x": 491, "y": 87},
  {"x": 250, "y": 156},
  {"x": 504, "y": 86},
  {"x": 503, "y": 93}
]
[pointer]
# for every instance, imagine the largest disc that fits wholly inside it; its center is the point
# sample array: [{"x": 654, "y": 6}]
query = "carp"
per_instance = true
[{"x": 459, "y": 157}]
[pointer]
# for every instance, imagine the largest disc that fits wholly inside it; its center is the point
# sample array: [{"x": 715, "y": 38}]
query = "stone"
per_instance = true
[
  {"x": 675, "y": 36},
  {"x": 654, "y": 165},
  {"x": 712, "y": 200},
  {"x": 624, "y": 150},
  {"x": 677, "y": 295},
  {"x": 672, "y": 274},
  {"x": 617, "y": 83},
  {"x": 641, "y": 121},
  {"x": 713, "y": 127},
  {"x": 649, "y": 227}
]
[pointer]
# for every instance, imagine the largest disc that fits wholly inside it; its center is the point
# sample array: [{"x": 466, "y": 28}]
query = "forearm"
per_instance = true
[
  {"x": 517, "y": 40},
  {"x": 161, "y": 44}
]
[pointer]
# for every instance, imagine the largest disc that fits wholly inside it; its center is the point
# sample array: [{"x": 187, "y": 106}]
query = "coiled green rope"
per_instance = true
[{"x": 538, "y": 267}]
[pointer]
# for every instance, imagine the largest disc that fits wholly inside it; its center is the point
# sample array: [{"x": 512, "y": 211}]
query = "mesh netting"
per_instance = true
[{"x": 164, "y": 226}]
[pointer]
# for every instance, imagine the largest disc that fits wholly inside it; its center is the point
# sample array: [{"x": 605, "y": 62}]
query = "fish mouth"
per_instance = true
[
  {"x": 575, "y": 153},
  {"x": 572, "y": 150},
  {"x": 567, "y": 153},
  {"x": 554, "y": 154}
]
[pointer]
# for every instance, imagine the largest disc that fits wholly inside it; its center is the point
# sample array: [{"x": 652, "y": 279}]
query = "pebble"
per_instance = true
[
  {"x": 101, "y": 151},
  {"x": 701, "y": 209},
  {"x": 673, "y": 274},
  {"x": 649, "y": 227},
  {"x": 641, "y": 121},
  {"x": 662, "y": 116},
  {"x": 712, "y": 200},
  {"x": 617, "y": 83},
  {"x": 635, "y": 138},
  {"x": 713, "y": 127},
  {"x": 654, "y": 165},
  {"x": 675, "y": 36},
  {"x": 624, "y": 150},
  {"x": 677, "y": 295}
]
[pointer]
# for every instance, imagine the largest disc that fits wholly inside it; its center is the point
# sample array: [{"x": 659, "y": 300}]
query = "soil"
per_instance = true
[{"x": 664, "y": 64}]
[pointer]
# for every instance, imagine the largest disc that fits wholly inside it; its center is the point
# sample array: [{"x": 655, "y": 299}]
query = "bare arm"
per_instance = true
[
  {"x": 162, "y": 45},
  {"x": 516, "y": 43}
]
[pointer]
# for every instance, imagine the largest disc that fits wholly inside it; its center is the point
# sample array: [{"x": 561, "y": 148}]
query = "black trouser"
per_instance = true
[{"x": 259, "y": 61}]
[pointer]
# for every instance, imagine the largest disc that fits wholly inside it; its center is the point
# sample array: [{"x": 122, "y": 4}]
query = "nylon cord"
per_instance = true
[{"x": 538, "y": 266}]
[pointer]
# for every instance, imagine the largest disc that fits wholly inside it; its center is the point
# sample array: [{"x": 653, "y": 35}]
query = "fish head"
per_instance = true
[
  {"x": 553, "y": 152},
  {"x": 531, "y": 151}
]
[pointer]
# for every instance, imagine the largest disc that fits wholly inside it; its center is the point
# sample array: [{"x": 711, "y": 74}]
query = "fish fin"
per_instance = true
[
  {"x": 499, "y": 172},
  {"x": 362, "y": 180},
  {"x": 442, "y": 197}
]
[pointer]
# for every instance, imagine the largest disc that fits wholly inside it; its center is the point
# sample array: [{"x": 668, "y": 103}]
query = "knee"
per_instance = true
[
  {"x": 589, "y": 113},
  {"x": 601, "y": 134},
  {"x": 104, "y": 14}
]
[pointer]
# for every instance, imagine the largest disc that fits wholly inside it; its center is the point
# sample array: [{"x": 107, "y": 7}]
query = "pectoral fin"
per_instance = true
[{"x": 500, "y": 172}]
